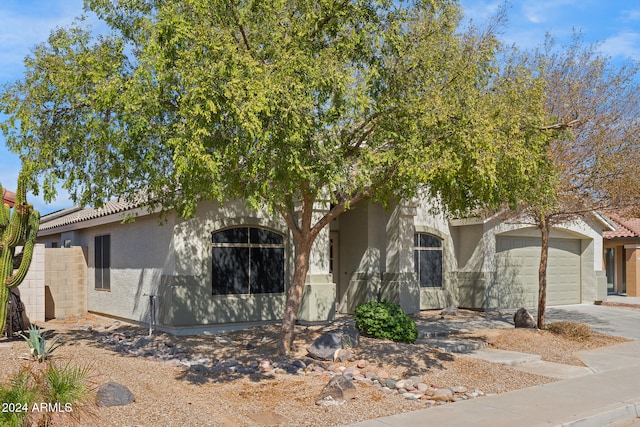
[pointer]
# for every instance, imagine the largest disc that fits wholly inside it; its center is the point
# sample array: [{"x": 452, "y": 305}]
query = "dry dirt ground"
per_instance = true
[{"x": 169, "y": 395}]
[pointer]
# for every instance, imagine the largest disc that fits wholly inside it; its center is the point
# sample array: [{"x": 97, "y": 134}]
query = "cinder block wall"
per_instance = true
[
  {"x": 65, "y": 281},
  {"x": 32, "y": 288}
]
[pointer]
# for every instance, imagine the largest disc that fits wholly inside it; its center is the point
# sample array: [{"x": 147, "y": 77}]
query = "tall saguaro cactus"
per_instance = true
[{"x": 17, "y": 228}]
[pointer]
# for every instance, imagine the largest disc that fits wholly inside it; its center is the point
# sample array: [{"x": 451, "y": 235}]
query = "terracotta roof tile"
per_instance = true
[
  {"x": 624, "y": 227},
  {"x": 76, "y": 214},
  {"x": 8, "y": 197}
]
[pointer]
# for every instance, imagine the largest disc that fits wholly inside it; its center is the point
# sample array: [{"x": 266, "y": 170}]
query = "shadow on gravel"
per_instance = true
[
  {"x": 247, "y": 354},
  {"x": 597, "y": 324}
]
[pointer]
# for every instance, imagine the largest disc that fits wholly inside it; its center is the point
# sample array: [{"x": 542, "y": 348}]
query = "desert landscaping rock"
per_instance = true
[
  {"x": 175, "y": 381},
  {"x": 113, "y": 394},
  {"x": 524, "y": 319},
  {"x": 442, "y": 394},
  {"x": 335, "y": 344},
  {"x": 339, "y": 389},
  {"x": 348, "y": 369},
  {"x": 326, "y": 346}
]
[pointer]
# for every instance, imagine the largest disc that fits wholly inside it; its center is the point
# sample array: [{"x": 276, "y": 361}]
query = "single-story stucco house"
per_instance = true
[{"x": 229, "y": 265}]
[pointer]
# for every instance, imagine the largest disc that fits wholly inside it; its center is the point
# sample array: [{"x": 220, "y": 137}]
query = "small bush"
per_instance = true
[
  {"x": 64, "y": 387},
  {"x": 383, "y": 319},
  {"x": 572, "y": 330},
  {"x": 38, "y": 344},
  {"x": 21, "y": 393},
  {"x": 67, "y": 384}
]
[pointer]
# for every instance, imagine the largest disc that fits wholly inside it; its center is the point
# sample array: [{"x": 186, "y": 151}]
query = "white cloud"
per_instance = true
[
  {"x": 480, "y": 10},
  {"x": 625, "y": 44},
  {"x": 630, "y": 15},
  {"x": 538, "y": 12}
]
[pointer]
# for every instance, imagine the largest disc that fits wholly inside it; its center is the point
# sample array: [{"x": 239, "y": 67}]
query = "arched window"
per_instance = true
[
  {"x": 247, "y": 260},
  {"x": 427, "y": 257}
]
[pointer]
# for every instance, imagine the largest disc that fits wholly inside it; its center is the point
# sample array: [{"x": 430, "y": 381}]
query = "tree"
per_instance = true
[
  {"x": 283, "y": 104},
  {"x": 595, "y": 156}
]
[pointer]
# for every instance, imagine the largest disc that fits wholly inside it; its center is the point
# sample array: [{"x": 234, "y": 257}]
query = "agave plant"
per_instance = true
[{"x": 38, "y": 345}]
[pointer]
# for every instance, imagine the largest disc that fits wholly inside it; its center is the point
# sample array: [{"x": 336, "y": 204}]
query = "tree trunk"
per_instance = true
[
  {"x": 304, "y": 234},
  {"x": 294, "y": 297},
  {"x": 542, "y": 271}
]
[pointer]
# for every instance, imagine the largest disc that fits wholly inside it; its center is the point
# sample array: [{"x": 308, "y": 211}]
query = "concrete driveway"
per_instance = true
[{"x": 608, "y": 320}]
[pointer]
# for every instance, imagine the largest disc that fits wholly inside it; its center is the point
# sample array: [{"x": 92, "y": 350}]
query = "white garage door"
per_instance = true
[{"x": 518, "y": 260}]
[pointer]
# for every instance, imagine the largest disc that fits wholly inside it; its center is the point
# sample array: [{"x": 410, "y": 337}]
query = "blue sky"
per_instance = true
[{"x": 615, "y": 23}]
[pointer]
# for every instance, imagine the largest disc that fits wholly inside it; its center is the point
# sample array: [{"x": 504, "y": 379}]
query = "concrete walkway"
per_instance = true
[{"x": 606, "y": 391}]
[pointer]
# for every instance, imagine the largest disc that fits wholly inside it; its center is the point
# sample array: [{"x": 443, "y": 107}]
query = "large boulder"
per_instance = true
[
  {"x": 338, "y": 390},
  {"x": 524, "y": 319},
  {"x": 113, "y": 394},
  {"x": 327, "y": 345}
]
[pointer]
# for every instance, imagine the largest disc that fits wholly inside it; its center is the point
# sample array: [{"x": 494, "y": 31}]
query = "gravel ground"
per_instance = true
[{"x": 169, "y": 395}]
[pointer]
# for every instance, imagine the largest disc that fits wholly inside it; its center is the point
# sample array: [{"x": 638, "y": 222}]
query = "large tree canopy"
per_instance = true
[
  {"x": 596, "y": 158},
  {"x": 280, "y": 103}
]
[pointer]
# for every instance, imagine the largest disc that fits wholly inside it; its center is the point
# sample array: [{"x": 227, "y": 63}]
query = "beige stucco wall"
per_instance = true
[
  {"x": 432, "y": 221},
  {"x": 140, "y": 255},
  {"x": 632, "y": 269},
  {"x": 173, "y": 261},
  {"x": 65, "y": 282},
  {"x": 32, "y": 287},
  {"x": 186, "y": 296},
  {"x": 362, "y": 254}
]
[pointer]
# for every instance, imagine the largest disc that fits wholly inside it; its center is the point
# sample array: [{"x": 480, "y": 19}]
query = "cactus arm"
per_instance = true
[
  {"x": 4, "y": 305},
  {"x": 6, "y": 267},
  {"x": 19, "y": 219},
  {"x": 5, "y": 211},
  {"x": 27, "y": 251},
  {"x": 21, "y": 191}
]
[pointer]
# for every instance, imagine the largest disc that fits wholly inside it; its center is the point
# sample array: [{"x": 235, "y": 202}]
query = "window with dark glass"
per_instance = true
[
  {"x": 427, "y": 257},
  {"x": 247, "y": 260},
  {"x": 102, "y": 262}
]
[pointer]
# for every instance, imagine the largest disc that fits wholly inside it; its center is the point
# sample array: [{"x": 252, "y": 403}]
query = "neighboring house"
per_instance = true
[
  {"x": 231, "y": 265},
  {"x": 622, "y": 256},
  {"x": 8, "y": 197}
]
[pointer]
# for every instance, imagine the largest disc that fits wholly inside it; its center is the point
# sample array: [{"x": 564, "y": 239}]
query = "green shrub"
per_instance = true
[
  {"x": 383, "y": 319},
  {"x": 67, "y": 384},
  {"x": 20, "y": 393},
  {"x": 65, "y": 388}
]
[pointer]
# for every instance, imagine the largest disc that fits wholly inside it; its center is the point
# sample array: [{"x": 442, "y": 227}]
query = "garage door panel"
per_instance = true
[{"x": 518, "y": 260}]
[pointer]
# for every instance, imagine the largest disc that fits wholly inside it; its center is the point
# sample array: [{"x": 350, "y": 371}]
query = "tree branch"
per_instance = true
[
  {"x": 244, "y": 37},
  {"x": 340, "y": 208},
  {"x": 289, "y": 218},
  {"x": 351, "y": 150},
  {"x": 570, "y": 124}
]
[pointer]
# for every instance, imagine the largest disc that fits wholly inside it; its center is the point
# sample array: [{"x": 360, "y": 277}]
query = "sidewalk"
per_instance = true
[
  {"x": 607, "y": 391},
  {"x": 611, "y": 394}
]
